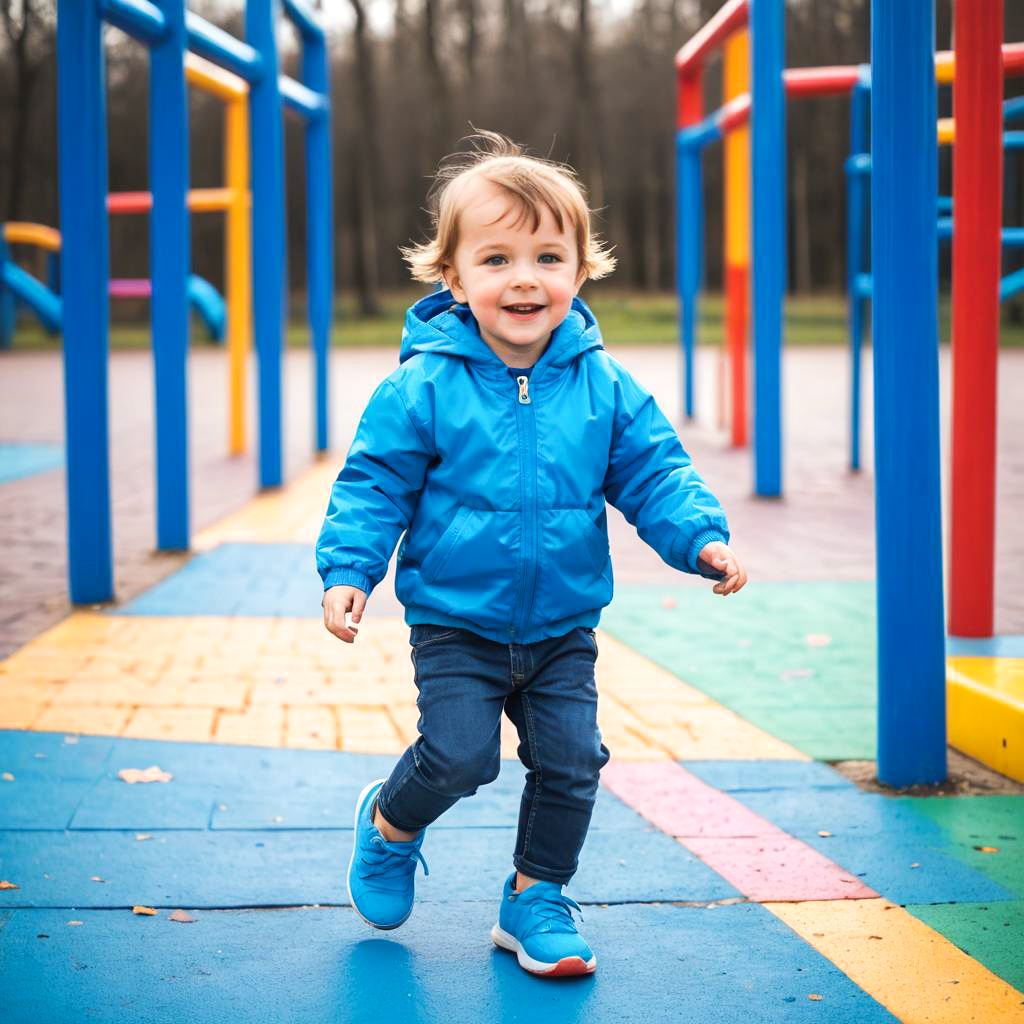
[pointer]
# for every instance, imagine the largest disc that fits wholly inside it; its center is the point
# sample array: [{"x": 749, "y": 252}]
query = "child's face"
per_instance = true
[{"x": 518, "y": 283}]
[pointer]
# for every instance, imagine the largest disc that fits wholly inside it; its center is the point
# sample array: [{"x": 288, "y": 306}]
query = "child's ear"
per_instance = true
[
  {"x": 454, "y": 285},
  {"x": 580, "y": 278}
]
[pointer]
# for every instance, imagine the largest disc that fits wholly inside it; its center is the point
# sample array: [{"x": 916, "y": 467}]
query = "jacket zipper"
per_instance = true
[{"x": 528, "y": 467}]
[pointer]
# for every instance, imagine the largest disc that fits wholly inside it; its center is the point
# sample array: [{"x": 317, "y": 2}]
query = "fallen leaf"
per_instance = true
[
  {"x": 823, "y": 832},
  {"x": 915, "y": 865},
  {"x": 8, "y": 885},
  {"x": 818, "y": 935},
  {"x": 818, "y": 639},
  {"x": 815, "y": 997},
  {"x": 987, "y": 849},
  {"x": 278, "y": 818},
  {"x": 148, "y": 911},
  {"x": 96, "y": 878},
  {"x": 874, "y": 936},
  {"x": 76, "y": 922},
  {"x": 143, "y": 835},
  {"x": 151, "y": 774},
  {"x": 70, "y": 739},
  {"x": 180, "y": 915},
  {"x": 7, "y": 777}
]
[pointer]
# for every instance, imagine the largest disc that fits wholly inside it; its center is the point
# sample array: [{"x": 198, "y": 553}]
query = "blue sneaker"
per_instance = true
[
  {"x": 381, "y": 873},
  {"x": 537, "y": 925}
]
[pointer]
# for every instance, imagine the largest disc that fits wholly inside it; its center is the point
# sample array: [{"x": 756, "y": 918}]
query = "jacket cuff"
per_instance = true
[
  {"x": 348, "y": 578},
  {"x": 698, "y": 543}
]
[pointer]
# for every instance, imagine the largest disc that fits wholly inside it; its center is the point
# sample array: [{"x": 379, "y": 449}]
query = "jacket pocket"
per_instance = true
[
  {"x": 574, "y": 572},
  {"x": 441, "y": 551},
  {"x": 472, "y": 572}
]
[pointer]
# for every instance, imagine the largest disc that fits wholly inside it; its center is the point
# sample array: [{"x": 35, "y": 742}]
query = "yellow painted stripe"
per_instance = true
[
  {"x": 985, "y": 701},
  {"x": 736, "y": 73},
  {"x": 913, "y": 971}
]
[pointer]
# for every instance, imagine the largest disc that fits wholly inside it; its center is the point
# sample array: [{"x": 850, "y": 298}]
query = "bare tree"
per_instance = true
[{"x": 31, "y": 40}]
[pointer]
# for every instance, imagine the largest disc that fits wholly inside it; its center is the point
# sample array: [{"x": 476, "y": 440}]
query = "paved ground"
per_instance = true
[{"x": 731, "y": 872}]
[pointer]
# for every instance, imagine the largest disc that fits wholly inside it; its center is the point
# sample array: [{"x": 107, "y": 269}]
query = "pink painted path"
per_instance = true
[{"x": 757, "y": 857}]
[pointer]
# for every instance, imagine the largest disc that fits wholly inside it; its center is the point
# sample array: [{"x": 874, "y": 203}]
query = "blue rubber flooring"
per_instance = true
[
  {"x": 19, "y": 460},
  {"x": 238, "y": 579},
  {"x": 313, "y": 965}
]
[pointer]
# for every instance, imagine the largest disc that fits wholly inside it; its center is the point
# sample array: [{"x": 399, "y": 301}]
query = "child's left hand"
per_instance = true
[{"x": 723, "y": 558}]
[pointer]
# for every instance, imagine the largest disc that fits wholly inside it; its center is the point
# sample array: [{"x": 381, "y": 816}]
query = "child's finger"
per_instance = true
[{"x": 358, "y": 604}]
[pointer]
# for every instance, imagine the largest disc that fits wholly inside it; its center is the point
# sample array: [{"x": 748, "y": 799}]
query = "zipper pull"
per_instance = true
[{"x": 524, "y": 390}]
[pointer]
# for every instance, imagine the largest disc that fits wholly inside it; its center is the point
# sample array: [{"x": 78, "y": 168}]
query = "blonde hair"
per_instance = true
[{"x": 532, "y": 184}]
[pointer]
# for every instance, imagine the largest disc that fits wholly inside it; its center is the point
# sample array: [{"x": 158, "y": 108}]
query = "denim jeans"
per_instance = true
[{"x": 547, "y": 689}]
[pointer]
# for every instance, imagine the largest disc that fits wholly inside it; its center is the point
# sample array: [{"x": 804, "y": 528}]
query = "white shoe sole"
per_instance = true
[
  {"x": 566, "y": 966},
  {"x": 352, "y": 860}
]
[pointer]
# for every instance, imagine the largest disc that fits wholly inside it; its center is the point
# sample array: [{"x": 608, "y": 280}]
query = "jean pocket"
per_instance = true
[{"x": 424, "y": 634}]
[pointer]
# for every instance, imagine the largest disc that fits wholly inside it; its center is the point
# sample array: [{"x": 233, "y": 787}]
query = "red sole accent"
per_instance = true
[{"x": 570, "y": 965}]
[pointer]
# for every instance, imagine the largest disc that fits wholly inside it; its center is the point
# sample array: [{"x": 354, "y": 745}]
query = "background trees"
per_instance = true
[{"x": 589, "y": 82}]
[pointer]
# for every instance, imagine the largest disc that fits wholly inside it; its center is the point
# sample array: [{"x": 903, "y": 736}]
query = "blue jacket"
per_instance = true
[{"x": 501, "y": 488}]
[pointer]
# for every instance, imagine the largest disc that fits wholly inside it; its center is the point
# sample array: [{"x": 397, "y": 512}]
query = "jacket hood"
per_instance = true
[{"x": 437, "y": 323}]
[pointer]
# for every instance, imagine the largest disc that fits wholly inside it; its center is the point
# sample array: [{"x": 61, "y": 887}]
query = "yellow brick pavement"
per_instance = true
[{"x": 288, "y": 683}]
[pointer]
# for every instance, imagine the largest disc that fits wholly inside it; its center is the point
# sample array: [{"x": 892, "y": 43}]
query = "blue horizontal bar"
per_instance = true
[
  {"x": 1013, "y": 140},
  {"x": 1013, "y": 109},
  {"x": 139, "y": 18},
  {"x": 1010, "y": 238},
  {"x": 222, "y": 48},
  {"x": 858, "y": 163},
  {"x": 699, "y": 135},
  {"x": 945, "y": 204},
  {"x": 301, "y": 98},
  {"x": 304, "y": 18},
  {"x": 863, "y": 286},
  {"x": 1011, "y": 284}
]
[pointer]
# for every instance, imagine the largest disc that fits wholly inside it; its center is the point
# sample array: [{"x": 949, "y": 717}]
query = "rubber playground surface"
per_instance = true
[{"x": 731, "y": 872}]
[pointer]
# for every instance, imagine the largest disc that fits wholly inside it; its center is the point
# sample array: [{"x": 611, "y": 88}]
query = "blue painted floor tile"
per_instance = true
[
  {"x": 19, "y": 459},
  {"x": 318, "y": 965}
]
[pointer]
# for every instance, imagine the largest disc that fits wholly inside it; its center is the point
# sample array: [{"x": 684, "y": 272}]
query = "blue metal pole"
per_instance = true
[
  {"x": 908, "y": 501},
  {"x": 857, "y": 185},
  {"x": 169, "y": 262},
  {"x": 268, "y": 232},
  {"x": 319, "y": 226},
  {"x": 688, "y": 193},
  {"x": 82, "y": 171},
  {"x": 768, "y": 263}
]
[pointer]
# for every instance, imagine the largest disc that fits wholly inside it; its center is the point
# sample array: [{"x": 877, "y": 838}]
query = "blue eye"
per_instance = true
[
  {"x": 488, "y": 261},
  {"x": 550, "y": 257}
]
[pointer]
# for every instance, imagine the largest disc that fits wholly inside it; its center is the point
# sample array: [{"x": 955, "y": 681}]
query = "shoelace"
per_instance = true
[
  {"x": 551, "y": 913},
  {"x": 388, "y": 863}
]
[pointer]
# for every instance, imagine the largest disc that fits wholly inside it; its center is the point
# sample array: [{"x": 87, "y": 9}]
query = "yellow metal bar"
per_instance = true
[
  {"x": 944, "y": 67},
  {"x": 946, "y": 131},
  {"x": 737, "y": 155},
  {"x": 206, "y": 200},
  {"x": 237, "y": 251},
  {"x": 19, "y": 232},
  {"x": 985, "y": 697},
  {"x": 206, "y": 75}
]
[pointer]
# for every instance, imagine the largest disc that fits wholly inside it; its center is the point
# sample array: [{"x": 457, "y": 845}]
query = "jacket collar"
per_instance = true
[{"x": 437, "y": 323}]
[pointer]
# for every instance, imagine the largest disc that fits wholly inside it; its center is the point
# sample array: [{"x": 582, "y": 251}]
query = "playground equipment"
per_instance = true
[
  {"x": 44, "y": 299},
  {"x": 168, "y": 30}
]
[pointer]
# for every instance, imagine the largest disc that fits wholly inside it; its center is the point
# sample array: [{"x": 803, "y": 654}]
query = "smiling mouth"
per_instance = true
[{"x": 523, "y": 308}]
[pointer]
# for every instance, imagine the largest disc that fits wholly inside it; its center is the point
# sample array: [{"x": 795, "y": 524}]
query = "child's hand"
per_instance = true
[
  {"x": 337, "y": 602},
  {"x": 723, "y": 558}
]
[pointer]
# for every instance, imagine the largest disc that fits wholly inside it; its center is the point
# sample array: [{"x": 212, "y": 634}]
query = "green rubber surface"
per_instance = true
[{"x": 796, "y": 659}]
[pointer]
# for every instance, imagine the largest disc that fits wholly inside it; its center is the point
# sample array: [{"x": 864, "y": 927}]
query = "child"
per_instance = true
[{"x": 494, "y": 446}]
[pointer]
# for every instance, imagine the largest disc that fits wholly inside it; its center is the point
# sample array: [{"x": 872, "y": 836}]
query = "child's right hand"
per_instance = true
[{"x": 337, "y": 602}]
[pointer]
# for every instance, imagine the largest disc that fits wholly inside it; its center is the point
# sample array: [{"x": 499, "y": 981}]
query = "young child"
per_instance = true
[{"x": 494, "y": 446}]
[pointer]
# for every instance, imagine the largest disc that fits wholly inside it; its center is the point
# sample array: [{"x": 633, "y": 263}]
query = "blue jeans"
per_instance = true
[{"x": 547, "y": 689}]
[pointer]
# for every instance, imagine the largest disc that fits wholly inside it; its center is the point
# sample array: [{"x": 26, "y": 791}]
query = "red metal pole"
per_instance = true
[{"x": 977, "y": 200}]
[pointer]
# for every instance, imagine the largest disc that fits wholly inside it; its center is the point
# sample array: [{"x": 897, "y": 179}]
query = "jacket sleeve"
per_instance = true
[
  {"x": 652, "y": 481},
  {"x": 375, "y": 495}
]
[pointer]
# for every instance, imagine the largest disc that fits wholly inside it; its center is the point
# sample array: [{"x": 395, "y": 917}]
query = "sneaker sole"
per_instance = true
[
  {"x": 348, "y": 877},
  {"x": 568, "y": 965}
]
